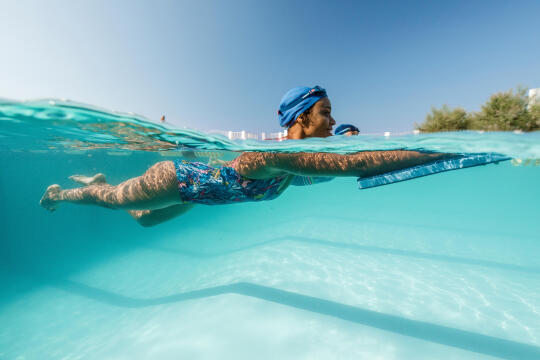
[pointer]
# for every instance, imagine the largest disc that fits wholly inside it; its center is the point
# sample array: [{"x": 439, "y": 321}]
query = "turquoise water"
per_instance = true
[{"x": 446, "y": 266}]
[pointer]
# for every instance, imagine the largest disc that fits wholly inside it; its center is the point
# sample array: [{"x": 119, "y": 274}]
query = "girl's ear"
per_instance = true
[
  {"x": 303, "y": 121},
  {"x": 296, "y": 131}
]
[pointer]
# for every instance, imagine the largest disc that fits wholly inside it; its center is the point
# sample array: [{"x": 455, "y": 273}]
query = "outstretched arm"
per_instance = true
[{"x": 260, "y": 165}]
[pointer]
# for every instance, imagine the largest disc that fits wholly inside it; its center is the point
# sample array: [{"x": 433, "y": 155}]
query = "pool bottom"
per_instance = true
[
  {"x": 302, "y": 297},
  {"x": 57, "y": 323}
]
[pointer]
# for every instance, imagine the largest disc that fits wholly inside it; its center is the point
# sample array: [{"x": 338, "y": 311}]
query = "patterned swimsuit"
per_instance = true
[{"x": 203, "y": 184}]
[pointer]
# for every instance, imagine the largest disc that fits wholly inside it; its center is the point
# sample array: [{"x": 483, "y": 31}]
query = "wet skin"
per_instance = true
[
  {"x": 153, "y": 197},
  {"x": 317, "y": 123}
]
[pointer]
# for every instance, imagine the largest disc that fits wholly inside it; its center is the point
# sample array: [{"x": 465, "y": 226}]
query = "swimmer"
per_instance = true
[
  {"x": 170, "y": 188},
  {"x": 347, "y": 130}
]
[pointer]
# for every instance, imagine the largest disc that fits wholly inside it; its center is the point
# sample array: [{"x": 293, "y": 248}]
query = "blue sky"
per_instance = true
[{"x": 226, "y": 64}]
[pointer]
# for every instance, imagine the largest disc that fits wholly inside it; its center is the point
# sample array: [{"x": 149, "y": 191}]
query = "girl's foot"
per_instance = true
[
  {"x": 51, "y": 197},
  {"x": 89, "y": 180}
]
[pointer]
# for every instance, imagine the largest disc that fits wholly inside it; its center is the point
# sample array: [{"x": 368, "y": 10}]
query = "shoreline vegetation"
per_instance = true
[{"x": 504, "y": 111}]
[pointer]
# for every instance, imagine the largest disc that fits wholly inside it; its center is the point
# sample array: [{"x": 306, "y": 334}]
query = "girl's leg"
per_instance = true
[
  {"x": 149, "y": 218},
  {"x": 156, "y": 189},
  {"x": 145, "y": 218}
]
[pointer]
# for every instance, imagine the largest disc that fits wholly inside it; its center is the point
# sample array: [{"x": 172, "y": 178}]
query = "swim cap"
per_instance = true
[
  {"x": 296, "y": 101},
  {"x": 344, "y": 128}
]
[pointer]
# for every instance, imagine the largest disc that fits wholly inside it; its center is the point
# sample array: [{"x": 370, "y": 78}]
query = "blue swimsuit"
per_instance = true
[{"x": 202, "y": 184}]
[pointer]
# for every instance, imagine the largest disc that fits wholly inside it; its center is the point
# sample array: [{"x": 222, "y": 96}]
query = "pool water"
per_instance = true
[{"x": 441, "y": 267}]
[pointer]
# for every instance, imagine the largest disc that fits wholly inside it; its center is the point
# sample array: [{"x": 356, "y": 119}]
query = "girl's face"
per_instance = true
[{"x": 319, "y": 121}]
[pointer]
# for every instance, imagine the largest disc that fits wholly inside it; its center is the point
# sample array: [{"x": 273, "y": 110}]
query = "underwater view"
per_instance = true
[{"x": 444, "y": 266}]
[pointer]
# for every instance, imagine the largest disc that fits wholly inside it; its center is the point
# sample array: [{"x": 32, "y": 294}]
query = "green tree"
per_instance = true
[
  {"x": 504, "y": 112},
  {"x": 445, "y": 119},
  {"x": 534, "y": 112}
]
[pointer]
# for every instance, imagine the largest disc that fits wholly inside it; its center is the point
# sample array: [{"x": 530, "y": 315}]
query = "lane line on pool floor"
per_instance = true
[{"x": 466, "y": 340}]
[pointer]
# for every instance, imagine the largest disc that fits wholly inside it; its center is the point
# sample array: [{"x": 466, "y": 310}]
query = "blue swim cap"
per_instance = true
[
  {"x": 296, "y": 101},
  {"x": 344, "y": 128}
]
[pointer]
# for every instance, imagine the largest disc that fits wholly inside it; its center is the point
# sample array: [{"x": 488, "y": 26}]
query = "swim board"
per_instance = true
[{"x": 459, "y": 162}]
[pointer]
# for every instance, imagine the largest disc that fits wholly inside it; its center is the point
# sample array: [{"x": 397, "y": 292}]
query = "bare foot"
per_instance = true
[
  {"x": 89, "y": 180},
  {"x": 51, "y": 197}
]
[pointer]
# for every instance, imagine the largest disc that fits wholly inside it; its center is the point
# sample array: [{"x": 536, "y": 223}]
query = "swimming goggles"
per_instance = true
[{"x": 313, "y": 91}]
